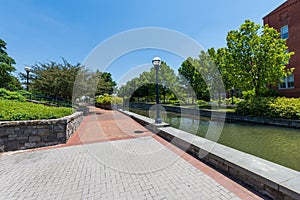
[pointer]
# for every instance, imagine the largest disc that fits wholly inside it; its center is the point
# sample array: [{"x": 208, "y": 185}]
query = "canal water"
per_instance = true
[{"x": 277, "y": 144}]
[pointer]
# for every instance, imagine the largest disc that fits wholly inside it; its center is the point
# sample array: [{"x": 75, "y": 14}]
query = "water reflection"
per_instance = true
[{"x": 277, "y": 144}]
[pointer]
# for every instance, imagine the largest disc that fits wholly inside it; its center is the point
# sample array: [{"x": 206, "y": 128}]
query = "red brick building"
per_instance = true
[{"x": 286, "y": 19}]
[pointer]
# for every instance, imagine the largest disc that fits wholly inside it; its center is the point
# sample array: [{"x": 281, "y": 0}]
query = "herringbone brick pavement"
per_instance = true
[{"x": 114, "y": 163}]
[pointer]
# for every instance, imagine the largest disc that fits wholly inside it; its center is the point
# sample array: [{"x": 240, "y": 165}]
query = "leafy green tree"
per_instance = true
[
  {"x": 254, "y": 58},
  {"x": 7, "y": 80},
  {"x": 187, "y": 78},
  {"x": 105, "y": 83},
  {"x": 58, "y": 80},
  {"x": 90, "y": 84},
  {"x": 143, "y": 87},
  {"x": 54, "y": 79},
  {"x": 133, "y": 89},
  {"x": 166, "y": 80},
  {"x": 201, "y": 78},
  {"x": 210, "y": 73},
  {"x": 219, "y": 58},
  {"x": 148, "y": 87},
  {"x": 194, "y": 72}
]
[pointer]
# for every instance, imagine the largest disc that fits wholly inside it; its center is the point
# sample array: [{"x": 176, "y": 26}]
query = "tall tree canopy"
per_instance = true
[
  {"x": 57, "y": 80},
  {"x": 105, "y": 83},
  {"x": 7, "y": 80},
  {"x": 144, "y": 85},
  {"x": 192, "y": 80},
  {"x": 200, "y": 76},
  {"x": 54, "y": 79},
  {"x": 254, "y": 58},
  {"x": 219, "y": 58},
  {"x": 166, "y": 79}
]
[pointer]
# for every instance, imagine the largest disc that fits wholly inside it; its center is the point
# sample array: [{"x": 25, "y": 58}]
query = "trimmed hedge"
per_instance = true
[
  {"x": 280, "y": 107},
  {"x": 107, "y": 100},
  {"x": 16, "y": 110}
]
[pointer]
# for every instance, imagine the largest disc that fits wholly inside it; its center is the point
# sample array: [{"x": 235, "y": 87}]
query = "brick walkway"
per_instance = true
[{"x": 120, "y": 159}]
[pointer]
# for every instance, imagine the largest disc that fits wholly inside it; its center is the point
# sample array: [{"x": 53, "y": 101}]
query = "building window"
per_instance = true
[
  {"x": 284, "y": 32},
  {"x": 287, "y": 82}
]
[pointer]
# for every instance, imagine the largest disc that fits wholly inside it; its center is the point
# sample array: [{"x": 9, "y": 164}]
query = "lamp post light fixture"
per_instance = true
[
  {"x": 156, "y": 63},
  {"x": 27, "y": 69}
]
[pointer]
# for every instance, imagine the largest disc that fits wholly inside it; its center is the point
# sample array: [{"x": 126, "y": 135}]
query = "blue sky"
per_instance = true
[{"x": 43, "y": 30}]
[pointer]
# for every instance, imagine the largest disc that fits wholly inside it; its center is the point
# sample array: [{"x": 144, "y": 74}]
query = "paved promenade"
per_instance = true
[{"x": 112, "y": 157}]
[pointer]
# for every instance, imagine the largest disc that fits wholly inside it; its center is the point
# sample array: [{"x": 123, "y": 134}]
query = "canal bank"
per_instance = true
[
  {"x": 268, "y": 178},
  {"x": 221, "y": 115},
  {"x": 277, "y": 144}
]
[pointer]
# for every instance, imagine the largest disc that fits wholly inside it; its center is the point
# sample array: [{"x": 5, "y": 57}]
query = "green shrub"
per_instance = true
[
  {"x": 201, "y": 102},
  {"x": 6, "y": 94},
  {"x": 174, "y": 101},
  {"x": 24, "y": 92},
  {"x": 271, "y": 93},
  {"x": 281, "y": 107},
  {"x": 116, "y": 100},
  {"x": 267, "y": 93},
  {"x": 228, "y": 101},
  {"x": 16, "y": 110},
  {"x": 248, "y": 94},
  {"x": 107, "y": 99}
]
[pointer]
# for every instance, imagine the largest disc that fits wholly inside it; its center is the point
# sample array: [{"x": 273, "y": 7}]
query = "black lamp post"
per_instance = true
[
  {"x": 27, "y": 69},
  {"x": 156, "y": 63},
  {"x": 123, "y": 95},
  {"x": 232, "y": 93}
]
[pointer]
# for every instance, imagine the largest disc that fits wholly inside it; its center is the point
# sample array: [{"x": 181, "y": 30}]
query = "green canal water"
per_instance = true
[{"x": 276, "y": 144}]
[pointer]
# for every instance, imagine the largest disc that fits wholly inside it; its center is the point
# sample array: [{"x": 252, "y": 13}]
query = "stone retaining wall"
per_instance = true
[
  {"x": 270, "y": 179},
  {"x": 229, "y": 116},
  {"x": 17, "y": 135}
]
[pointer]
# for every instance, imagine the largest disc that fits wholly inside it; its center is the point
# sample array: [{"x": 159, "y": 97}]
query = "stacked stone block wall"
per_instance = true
[{"x": 18, "y": 135}]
